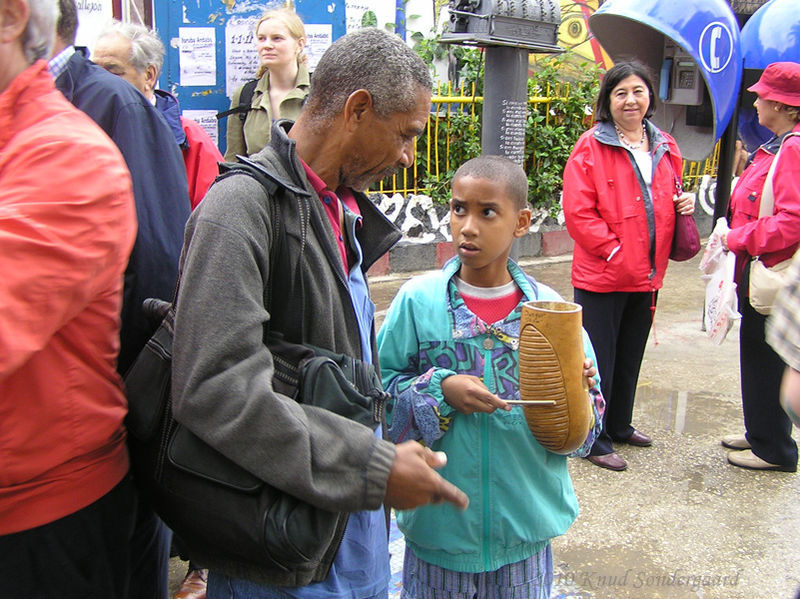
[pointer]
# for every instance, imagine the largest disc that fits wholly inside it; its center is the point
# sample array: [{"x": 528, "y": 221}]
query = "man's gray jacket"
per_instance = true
[{"x": 222, "y": 370}]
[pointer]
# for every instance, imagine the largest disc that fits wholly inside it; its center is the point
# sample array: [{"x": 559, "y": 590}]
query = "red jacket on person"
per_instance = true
[
  {"x": 775, "y": 238},
  {"x": 67, "y": 226},
  {"x": 606, "y": 205},
  {"x": 201, "y": 158}
]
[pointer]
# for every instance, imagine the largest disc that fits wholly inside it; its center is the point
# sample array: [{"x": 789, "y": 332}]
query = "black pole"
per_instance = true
[
  {"x": 505, "y": 102},
  {"x": 505, "y": 106},
  {"x": 727, "y": 156}
]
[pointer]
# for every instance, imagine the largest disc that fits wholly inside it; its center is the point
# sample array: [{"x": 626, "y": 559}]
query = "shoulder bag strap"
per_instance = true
[
  {"x": 767, "y": 196},
  {"x": 271, "y": 186},
  {"x": 245, "y": 101}
]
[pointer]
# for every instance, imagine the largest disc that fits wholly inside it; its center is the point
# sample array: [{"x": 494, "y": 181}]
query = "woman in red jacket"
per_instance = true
[
  {"x": 621, "y": 193},
  {"x": 767, "y": 444}
]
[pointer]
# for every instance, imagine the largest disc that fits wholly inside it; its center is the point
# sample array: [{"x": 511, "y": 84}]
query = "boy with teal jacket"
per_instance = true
[{"x": 448, "y": 355}]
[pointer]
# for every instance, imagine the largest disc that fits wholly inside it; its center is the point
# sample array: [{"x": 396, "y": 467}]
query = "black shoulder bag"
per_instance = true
[{"x": 227, "y": 518}]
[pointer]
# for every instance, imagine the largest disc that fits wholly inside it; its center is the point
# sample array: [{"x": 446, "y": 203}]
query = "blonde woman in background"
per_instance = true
[{"x": 282, "y": 86}]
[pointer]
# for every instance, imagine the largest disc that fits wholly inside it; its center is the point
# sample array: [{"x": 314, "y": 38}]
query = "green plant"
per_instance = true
[
  {"x": 553, "y": 127},
  {"x": 369, "y": 19},
  {"x": 560, "y": 113},
  {"x": 468, "y": 60}
]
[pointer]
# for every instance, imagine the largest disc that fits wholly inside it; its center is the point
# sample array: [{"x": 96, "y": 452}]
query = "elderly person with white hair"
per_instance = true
[
  {"x": 67, "y": 226},
  {"x": 136, "y": 54}
]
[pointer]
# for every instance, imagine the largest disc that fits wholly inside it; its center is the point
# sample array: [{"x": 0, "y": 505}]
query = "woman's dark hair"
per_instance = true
[{"x": 612, "y": 78}]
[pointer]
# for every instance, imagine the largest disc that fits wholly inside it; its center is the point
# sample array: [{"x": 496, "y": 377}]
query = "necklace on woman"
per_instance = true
[{"x": 626, "y": 143}]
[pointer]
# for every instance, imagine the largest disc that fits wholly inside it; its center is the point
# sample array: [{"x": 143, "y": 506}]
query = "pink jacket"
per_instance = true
[
  {"x": 67, "y": 226},
  {"x": 775, "y": 238},
  {"x": 606, "y": 205}
]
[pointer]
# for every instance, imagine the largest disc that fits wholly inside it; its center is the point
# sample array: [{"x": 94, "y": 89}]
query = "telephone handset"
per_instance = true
[
  {"x": 664, "y": 80},
  {"x": 680, "y": 81}
]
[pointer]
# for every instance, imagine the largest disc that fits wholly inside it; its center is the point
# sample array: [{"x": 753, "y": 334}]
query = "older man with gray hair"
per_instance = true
[
  {"x": 136, "y": 54},
  {"x": 369, "y": 99},
  {"x": 67, "y": 226}
]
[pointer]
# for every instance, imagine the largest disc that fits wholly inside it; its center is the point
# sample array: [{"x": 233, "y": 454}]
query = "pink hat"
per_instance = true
[{"x": 780, "y": 82}]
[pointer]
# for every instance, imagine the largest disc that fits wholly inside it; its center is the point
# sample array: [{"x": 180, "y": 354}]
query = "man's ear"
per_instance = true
[
  {"x": 523, "y": 222},
  {"x": 150, "y": 77},
  {"x": 13, "y": 19},
  {"x": 357, "y": 108}
]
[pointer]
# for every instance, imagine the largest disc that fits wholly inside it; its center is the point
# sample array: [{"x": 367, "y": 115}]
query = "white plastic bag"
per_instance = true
[
  {"x": 721, "y": 305},
  {"x": 714, "y": 249}
]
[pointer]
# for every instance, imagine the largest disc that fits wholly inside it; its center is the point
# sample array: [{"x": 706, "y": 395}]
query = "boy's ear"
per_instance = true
[{"x": 523, "y": 222}]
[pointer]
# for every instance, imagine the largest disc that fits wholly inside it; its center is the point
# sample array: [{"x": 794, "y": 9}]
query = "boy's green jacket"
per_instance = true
[{"x": 520, "y": 494}]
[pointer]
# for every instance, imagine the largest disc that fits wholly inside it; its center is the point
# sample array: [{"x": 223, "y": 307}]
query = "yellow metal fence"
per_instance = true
[{"x": 447, "y": 102}]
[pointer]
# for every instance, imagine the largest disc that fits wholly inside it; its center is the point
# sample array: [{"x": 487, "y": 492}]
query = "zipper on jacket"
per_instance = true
[
  {"x": 485, "y": 470},
  {"x": 486, "y": 532}
]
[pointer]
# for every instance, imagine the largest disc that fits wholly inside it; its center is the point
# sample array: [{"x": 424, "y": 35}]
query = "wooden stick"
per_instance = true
[{"x": 531, "y": 402}]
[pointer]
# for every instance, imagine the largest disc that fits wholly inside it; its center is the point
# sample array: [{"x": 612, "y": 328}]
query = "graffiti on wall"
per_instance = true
[
  {"x": 421, "y": 220},
  {"x": 417, "y": 216}
]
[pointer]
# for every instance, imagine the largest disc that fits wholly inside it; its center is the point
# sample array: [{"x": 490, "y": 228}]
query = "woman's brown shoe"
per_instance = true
[{"x": 610, "y": 461}]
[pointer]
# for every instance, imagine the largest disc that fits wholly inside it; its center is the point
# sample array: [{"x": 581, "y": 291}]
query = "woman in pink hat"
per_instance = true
[{"x": 767, "y": 443}]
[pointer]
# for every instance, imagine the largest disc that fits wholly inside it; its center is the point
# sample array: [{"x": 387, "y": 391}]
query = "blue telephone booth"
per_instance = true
[
  {"x": 771, "y": 34},
  {"x": 211, "y": 52},
  {"x": 692, "y": 48}
]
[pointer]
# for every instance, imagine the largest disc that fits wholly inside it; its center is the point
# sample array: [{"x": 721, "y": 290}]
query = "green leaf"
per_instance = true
[{"x": 369, "y": 19}]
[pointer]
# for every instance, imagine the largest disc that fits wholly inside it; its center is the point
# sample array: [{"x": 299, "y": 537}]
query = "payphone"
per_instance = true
[
  {"x": 680, "y": 80},
  {"x": 692, "y": 49}
]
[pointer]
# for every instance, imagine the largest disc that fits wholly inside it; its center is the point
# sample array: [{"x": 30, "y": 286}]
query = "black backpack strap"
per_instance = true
[
  {"x": 271, "y": 185},
  {"x": 245, "y": 102}
]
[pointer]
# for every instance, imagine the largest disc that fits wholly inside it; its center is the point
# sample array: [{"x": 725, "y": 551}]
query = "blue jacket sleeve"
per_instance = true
[{"x": 162, "y": 209}]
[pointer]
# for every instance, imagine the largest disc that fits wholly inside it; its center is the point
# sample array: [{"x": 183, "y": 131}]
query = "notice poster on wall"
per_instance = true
[
  {"x": 198, "y": 56},
  {"x": 92, "y": 17},
  {"x": 241, "y": 58},
  {"x": 207, "y": 119},
  {"x": 378, "y": 13},
  {"x": 318, "y": 39}
]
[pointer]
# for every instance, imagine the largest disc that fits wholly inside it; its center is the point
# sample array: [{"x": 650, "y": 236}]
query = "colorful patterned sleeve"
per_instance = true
[
  {"x": 417, "y": 410},
  {"x": 417, "y": 407},
  {"x": 598, "y": 409}
]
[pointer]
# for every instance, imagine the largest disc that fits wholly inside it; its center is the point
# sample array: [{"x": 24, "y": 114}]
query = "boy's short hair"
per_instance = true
[{"x": 501, "y": 170}]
